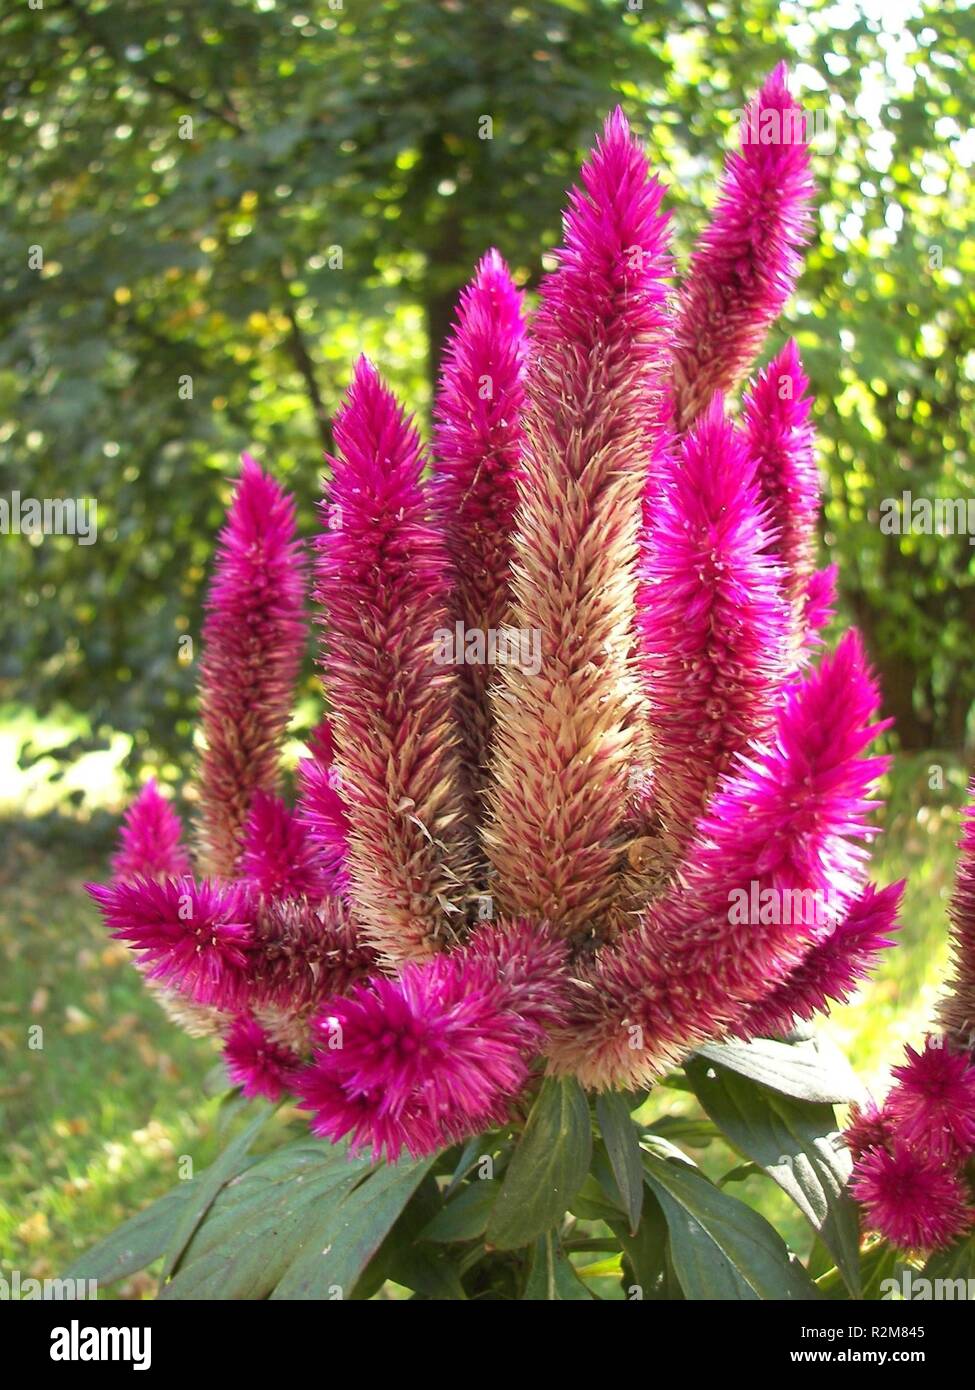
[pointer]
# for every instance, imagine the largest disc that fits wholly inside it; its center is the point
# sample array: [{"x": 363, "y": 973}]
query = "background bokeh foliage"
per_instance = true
[{"x": 350, "y": 132}]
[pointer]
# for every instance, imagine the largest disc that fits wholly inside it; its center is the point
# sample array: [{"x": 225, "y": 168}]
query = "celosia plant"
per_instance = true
[
  {"x": 913, "y": 1154},
  {"x": 578, "y": 708}
]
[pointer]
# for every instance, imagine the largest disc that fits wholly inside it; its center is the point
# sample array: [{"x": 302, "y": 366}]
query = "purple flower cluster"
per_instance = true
[{"x": 468, "y": 887}]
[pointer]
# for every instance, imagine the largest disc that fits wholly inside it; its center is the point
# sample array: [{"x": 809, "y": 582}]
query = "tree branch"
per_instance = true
[{"x": 302, "y": 360}]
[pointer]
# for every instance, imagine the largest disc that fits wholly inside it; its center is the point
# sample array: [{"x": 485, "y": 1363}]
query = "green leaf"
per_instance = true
[
  {"x": 691, "y": 1130},
  {"x": 812, "y": 1069},
  {"x": 551, "y": 1278},
  {"x": 622, "y": 1140},
  {"x": 820, "y": 1261},
  {"x": 136, "y": 1243},
  {"x": 465, "y": 1216},
  {"x": 474, "y": 1150},
  {"x": 341, "y": 1245},
  {"x": 419, "y": 1211},
  {"x": 740, "y": 1173},
  {"x": 957, "y": 1262},
  {"x": 647, "y": 1273},
  {"x": 427, "y": 1272},
  {"x": 597, "y": 1199},
  {"x": 547, "y": 1168},
  {"x": 204, "y": 1189},
  {"x": 261, "y": 1221},
  {"x": 879, "y": 1263},
  {"x": 721, "y": 1248},
  {"x": 798, "y": 1144}
]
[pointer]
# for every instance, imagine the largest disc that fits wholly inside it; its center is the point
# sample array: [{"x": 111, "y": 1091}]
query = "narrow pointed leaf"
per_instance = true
[
  {"x": 340, "y": 1246},
  {"x": 465, "y": 1216},
  {"x": 798, "y": 1145},
  {"x": 721, "y": 1248},
  {"x": 260, "y": 1222},
  {"x": 812, "y": 1070},
  {"x": 208, "y": 1184},
  {"x": 547, "y": 1168},
  {"x": 552, "y": 1278},
  {"x": 137, "y": 1242},
  {"x": 622, "y": 1140}
]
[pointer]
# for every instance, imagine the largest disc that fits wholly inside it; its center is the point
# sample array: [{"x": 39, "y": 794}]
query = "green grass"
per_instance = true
[{"x": 96, "y": 1121}]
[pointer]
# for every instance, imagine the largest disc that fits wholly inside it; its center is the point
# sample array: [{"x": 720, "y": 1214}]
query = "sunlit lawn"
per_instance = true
[{"x": 96, "y": 1119}]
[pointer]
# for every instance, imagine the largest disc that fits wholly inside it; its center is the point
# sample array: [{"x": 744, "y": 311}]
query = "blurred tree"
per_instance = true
[
  {"x": 231, "y": 201},
  {"x": 887, "y": 320}
]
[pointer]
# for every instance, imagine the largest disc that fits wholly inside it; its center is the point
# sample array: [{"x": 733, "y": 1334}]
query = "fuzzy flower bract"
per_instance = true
[{"x": 522, "y": 856}]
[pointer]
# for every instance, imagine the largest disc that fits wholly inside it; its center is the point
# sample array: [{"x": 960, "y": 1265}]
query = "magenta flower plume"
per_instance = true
[
  {"x": 910, "y": 1198},
  {"x": 437, "y": 1054},
  {"x": 304, "y": 953},
  {"x": 747, "y": 261},
  {"x": 256, "y": 1063},
  {"x": 193, "y": 937},
  {"x": 150, "y": 839},
  {"x": 832, "y": 968},
  {"x": 280, "y": 859},
  {"x": 713, "y": 626},
  {"x": 574, "y": 681},
  {"x": 820, "y": 601},
  {"x": 930, "y": 1110},
  {"x": 789, "y": 817},
  {"x": 780, "y": 439},
  {"x": 933, "y": 1102},
  {"x": 337, "y": 1110},
  {"x": 869, "y": 1128},
  {"x": 957, "y": 1010},
  {"x": 477, "y": 443},
  {"x": 254, "y": 639},
  {"x": 382, "y": 580},
  {"x": 321, "y": 810},
  {"x": 565, "y": 723}
]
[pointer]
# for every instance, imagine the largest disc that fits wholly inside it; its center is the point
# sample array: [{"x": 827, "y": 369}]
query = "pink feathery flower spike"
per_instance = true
[
  {"x": 304, "y": 953},
  {"x": 911, "y": 1198},
  {"x": 382, "y": 580},
  {"x": 832, "y": 969},
  {"x": 655, "y": 757},
  {"x": 819, "y": 602},
  {"x": 321, "y": 809},
  {"x": 910, "y": 1157},
  {"x": 747, "y": 261},
  {"x": 713, "y": 627},
  {"x": 254, "y": 640},
  {"x": 194, "y": 937},
  {"x": 790, "y": 816},
  {"x": 957, "y": 1010},
  {"x": 256, "y": 1063},
  {"x": 280, "y": 858},
  {"x": 869, "y": 1128},
  {"x": 780, "y": 439},
  {"x": 933, "y": 1101},
  {"x": 439, "y": 1053},
  {"x": 564, "y": 722},
  {"x": 149, "y": 842},
  {"x": 478, "y": 440}
]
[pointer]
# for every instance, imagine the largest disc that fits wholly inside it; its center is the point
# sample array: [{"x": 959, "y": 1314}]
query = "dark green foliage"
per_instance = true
[
  {"x": 212, "y": 257},
  {"x": 536, "y": 1215}
]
